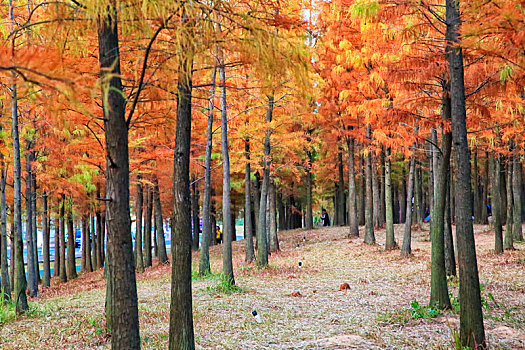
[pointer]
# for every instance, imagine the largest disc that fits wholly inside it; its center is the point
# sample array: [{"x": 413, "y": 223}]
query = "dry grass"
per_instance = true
[{"x": 372, "y": 314}]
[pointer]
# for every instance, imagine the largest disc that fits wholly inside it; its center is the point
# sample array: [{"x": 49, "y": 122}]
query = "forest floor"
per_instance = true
[{"x": 301, "y": 307}]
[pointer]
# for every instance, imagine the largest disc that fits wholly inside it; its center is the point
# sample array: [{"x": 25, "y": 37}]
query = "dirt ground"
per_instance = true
[{"x": 300, "y": 307}]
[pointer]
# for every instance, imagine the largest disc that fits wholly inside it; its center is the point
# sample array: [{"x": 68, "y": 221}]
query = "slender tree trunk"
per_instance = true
[
  {"x": 85, "y": 240},
  {"x": 148, "y": 228},
  {"x": 472, "y": 333},
  {"x": 361, "y": 191},
  {"x": 406, "y": 248},
  {"x": 71, "y": 265},
  {"x": 376, "y": 195},
  {"x": 181, "y": 311},
  {"x": 257, "y": 201},
  {"x": 249, "y": 253},
  {"x": 6, "y": 285},
  {"x": 94, "y": 239},
  {"x": 19, "y": 282},
  {"x": 450, "y": 257},
  {"x": 86, "y": 245},
  {"x": 517, "y": 230},
  {"x": 274, "y": 239},
  {"x": 382, "y": 199},
  {"x": 419, "y": 203},
  {"x": 438, "y": 285},
  {"x": 100, "y": 237},
  {"x": 227, "y": 263},
  {"x": 139, "y": 260},
  {"x": 262, "y": 232},
  {"x": 353, "y": 219},
  {"x": 56, "y": 265},
  {"x": 63, "y": 266},
  {"x": 13, "y": 259},
  {"x": 477, "y": 190},
  {"x": 282, "y": 212},
  {"x": 484, "y": 209},
  {"x": 404, "y": 199},
  {"x": 46, "y": 276},
  {"x": 161, "y": 242},
  {"x": 208, "y": 231},
  {"x": 340, "y": 190},
  {"x": 390, "y": 242},
  {"x": 32, "y": 282},
  {"x": 497, "y": 217},
  {"x": 369, "y": 206},
  {"x": 123, "y": 287},
  {"x": 34, "y": 221},
  {"x": 309, "y": 219},
  {"x": 195, "y": 214},
  {"x": 509, "y": 235}
]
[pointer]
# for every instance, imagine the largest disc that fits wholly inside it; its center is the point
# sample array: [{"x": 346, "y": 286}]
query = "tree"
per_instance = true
[
  {"x": 472, "y": 333},
  {"x": 121, "y": 267}
]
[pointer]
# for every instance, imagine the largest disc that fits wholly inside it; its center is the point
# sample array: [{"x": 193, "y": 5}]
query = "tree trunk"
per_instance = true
[
  {"x": 34, "y": 221},
  {"x": 517, "y": 230},
  {"x": 376, "y": 195},
  {"x": 148, "y": 228},
  {"x": 438, "y": 285},
  {"x": 32, "y": 282},
  {"x": 406, "y": 248},
  {"x": 71, "y": 237},
  {"x": 46, "y": 276},
  {"x": 63, "y": 266},
  {"x": 382, "y": 199},
  {"x": 472, "y": 333},
  {"x": 274, "y": 239},
  {"x": 195, "y": 214},
  {"x": 340, "y": 190},
  {"x": 56, "y": 265},
  {"x": 124, "y": 310},
  {"x": 100, "y": 237},
  {"x": 418, "y": 198},
  {"x": 403, "y": 204},
  {"x": 509, "y": 234},
  {"x": 162, "y": 254},
  {"x": 94, "y": 239},
  {"x": 6, "y": 285},
  {"x": 361, "y": 191},
  {"x": 484, "y": 209},
  {"x": 390, "y": 242},
  {"x": 282, "y": 212},
  {"x": 13, "y": 259},
  {"x": 477, "y": 190},
  {"x": 309, "y": 219},
  {"x": 181, "y": 311},
  {"x": 227, "y": 263},
  {"x": 262, "y": 232},
  {"x": 249, "y": 253},
  {"x": 352, "y": 208},
  {"x": 139, "y": 260},
  {"x": 86, "y": 244},
  {"x": 369, "y": 206},
  {"x": 85, "y": 240},
  {"x": 497, "y": 208},
  {"x": 450, "y": 257},
  {"x": 208, "y": 231},
  {"x": 19, "y": 282}
]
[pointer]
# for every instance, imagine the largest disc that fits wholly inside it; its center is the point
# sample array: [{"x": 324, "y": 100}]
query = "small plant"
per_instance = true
[
  {"x": 454, "y": 301},
  {"x": 7, "y": 309},
  {"x": 419, "y": 311},
  {"x": 225, "y": 286}
]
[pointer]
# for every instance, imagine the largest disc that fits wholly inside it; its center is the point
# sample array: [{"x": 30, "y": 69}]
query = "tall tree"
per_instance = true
[
  {"x": 227, "y": 263},
  {"x": 207, "y": 228},
  {"x": 121, "y": 269},
  {"x": 161, "y": 242},
  {"x": 472, "y": 332},
  {"x": 181, "y": 310}
]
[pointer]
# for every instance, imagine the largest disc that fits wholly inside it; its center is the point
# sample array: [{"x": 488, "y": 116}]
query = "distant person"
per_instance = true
[
  {"x": 325, "y": 217},
  {"x": 218, "y": 235}
]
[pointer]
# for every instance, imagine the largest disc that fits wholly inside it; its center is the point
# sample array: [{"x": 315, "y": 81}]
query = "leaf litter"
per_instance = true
[{"x": 344, "y": 295}]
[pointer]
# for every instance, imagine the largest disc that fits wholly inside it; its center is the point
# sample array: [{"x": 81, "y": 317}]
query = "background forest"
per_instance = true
[{"x": 140, "y": 139}]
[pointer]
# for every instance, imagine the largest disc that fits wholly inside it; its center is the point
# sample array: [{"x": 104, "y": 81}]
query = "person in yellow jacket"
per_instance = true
[{"x": 218, "y": 236}]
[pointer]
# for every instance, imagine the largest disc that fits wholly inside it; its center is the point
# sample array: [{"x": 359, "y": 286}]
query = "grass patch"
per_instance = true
[
  {"x": 420, "y": 311},
  {"x": 7, "y": 310},
  {"x": 224, "y": 286}
]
